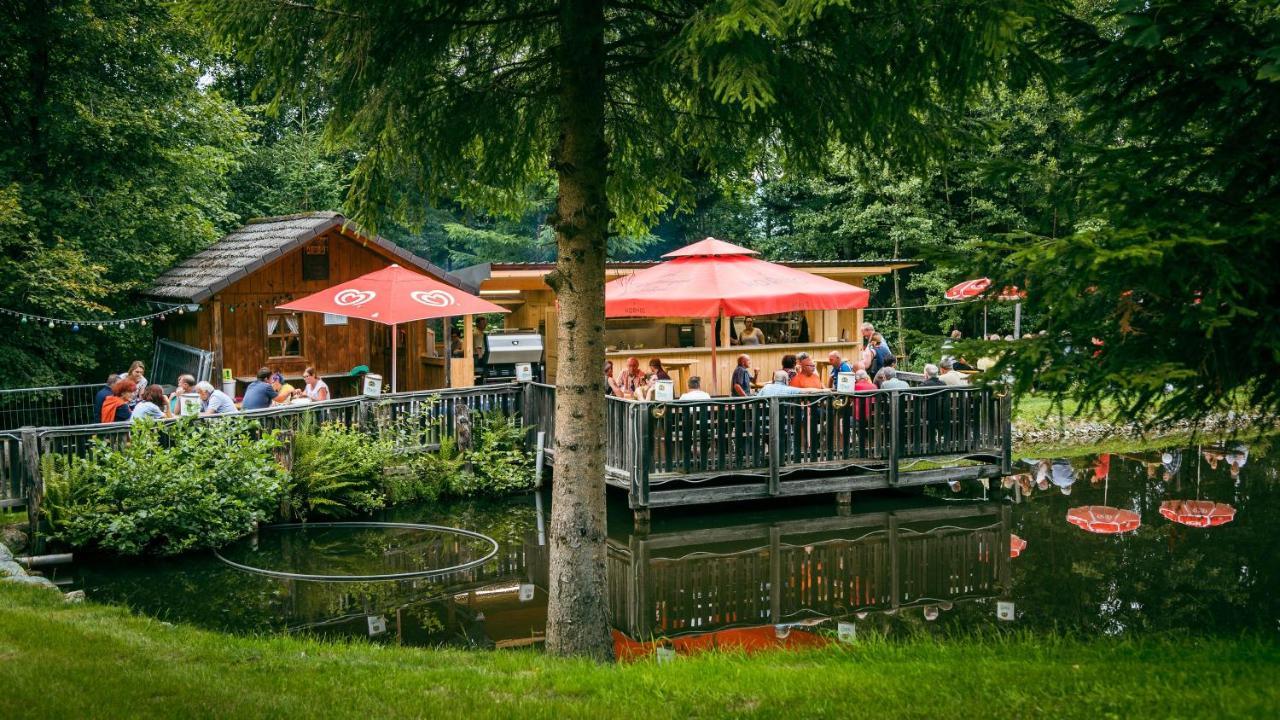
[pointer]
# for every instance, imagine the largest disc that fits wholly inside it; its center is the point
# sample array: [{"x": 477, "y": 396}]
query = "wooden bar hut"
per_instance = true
[
  {"x": 684, "y": 344},
  {"x": 234, "y": 286}
]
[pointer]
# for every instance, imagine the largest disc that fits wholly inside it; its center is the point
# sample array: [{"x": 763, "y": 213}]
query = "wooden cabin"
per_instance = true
[
  {"x": 684, "y": 344},
  {"x": 235, "y": 285}
]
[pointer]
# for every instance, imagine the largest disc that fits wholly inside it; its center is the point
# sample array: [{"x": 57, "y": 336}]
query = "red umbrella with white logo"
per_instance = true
[
  {"x": 970, "y": 289},
  {"x": 391, "y": 296}
]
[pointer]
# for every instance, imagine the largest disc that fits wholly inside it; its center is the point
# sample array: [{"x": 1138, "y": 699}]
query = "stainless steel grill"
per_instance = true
[{"x": 506, "y": 350}]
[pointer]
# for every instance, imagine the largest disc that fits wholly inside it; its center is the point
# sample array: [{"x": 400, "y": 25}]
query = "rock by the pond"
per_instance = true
[
  {"x": 75, "y": 596},
  {"x": 9, "y": 568},
  {"x": 14, "y": 537},
  {"x": 37, "y": 580},
  {"x": 5, "y": 555}
]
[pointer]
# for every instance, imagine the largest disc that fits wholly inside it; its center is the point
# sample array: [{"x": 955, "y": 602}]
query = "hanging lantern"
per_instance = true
[
  {"x": 75, "y": 327},
  {"x": 181, "y": 311},
  {"x": 24, "y": 319},
  {"x": 50, "y": 324},
  {"x": 99, "y": 326},
  {"x": 143, "y": 322}
]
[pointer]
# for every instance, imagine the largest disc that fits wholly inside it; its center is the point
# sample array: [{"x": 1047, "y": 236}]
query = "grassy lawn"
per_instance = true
[
  {"x": 59, "y": 661},
  {"x": 1039, "y": 410},
  {"x": 9, "y": 517}
]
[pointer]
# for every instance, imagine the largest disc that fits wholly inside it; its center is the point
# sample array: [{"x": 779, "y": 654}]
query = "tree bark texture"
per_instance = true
[{"x": 578, "y": 614}]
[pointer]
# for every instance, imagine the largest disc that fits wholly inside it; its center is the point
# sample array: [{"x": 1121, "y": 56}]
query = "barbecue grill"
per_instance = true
[{"x": 506, "y": 350}]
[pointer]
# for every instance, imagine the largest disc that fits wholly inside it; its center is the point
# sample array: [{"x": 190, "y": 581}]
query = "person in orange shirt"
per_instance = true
[{"x": 808, "y": 376}]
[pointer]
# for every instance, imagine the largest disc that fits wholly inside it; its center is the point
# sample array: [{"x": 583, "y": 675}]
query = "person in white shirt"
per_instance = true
[
  {"x": 891, "y": 381},
  {"x": 949, "y": 375},
  {"x": 695, "y": 391},
  {"x": 781, "y": 385},
  {"x": 750, "y": 334}
]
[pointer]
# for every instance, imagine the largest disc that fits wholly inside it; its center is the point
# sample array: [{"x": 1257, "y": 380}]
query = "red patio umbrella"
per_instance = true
[
  {"x": 968, "y": 289},
  {"x": 391, "y": 296},
  {"x": 1198, "y": 513},
  {"x": 712, "y": 278},
  {"x": 978, "y": 286},
  {"x": 1104, "y": 519}
]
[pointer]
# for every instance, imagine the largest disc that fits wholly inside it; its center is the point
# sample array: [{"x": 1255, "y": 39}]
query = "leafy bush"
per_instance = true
[
  {"x": 498, "y": 460},
  {"x": 189, "y": 485},
  {"x": 428, "y": 476},
  {"x": 337, "y": 471}
]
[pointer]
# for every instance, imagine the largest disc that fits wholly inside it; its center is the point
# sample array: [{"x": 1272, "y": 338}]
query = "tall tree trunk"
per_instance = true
[{"x": 578, "y": 614}]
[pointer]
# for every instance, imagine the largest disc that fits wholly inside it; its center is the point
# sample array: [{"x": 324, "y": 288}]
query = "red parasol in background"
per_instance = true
[
  {"x": 1198, "y": 513},
  {"x": 391, "y": 296},
  {"x": 712, "y": 278}
]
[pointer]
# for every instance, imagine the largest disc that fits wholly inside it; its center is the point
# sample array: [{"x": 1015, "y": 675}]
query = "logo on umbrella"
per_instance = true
[
  {"x": 433, "y": 298},
  {"x": 352, "y": 296}
]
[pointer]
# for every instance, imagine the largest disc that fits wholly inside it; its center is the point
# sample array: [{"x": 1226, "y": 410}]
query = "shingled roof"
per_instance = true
[{"x": 261, "y": 242}]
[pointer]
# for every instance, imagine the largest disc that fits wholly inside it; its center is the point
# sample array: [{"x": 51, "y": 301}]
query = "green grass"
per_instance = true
[
  {"x": 60, "y": 661},
  {"x": 1039, "y": 410},
  {"x": 12, "y": 517}
]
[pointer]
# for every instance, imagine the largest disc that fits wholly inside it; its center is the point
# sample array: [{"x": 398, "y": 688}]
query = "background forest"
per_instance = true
[{"x": 132, "y": 141}]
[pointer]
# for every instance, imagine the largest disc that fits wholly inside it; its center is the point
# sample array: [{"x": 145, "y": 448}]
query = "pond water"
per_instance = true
[{"x": 1016, "y": 558}]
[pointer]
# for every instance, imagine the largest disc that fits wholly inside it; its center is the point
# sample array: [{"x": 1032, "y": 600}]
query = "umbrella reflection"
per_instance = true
[
  {"x": 1103, "y": 519},
  {"x": 1198, "y": 513},
  {"x": 1016, "y": 546}
]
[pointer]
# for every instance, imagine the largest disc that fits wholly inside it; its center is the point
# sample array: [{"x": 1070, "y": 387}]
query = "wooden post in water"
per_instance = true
[
  {"x": 895, "y": 428},
  {"x": 775, "y": 574},
  {"x": 775, "y": 445},
  {"x": 895, "y": 585},
  {"x": 33, "y": 479}
]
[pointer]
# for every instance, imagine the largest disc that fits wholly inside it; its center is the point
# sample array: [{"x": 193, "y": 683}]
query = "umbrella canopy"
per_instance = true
[
  {"x": 391, "y": 296},
  {"x": 1016, "y": 545},
  {"x": 712, "y": 277},
  {"x": 968, "y": 289},
  {"x": 1104, "y": 519},
  {"x": 1198, "y": 513}
]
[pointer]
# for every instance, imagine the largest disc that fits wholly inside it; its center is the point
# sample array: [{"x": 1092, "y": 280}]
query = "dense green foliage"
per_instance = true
[
  {"x": 55, "y": 653},
  {"x": 114, "y": 164},
  {"x": 337, "y": 471},
  {"x": 168, "y": 490}
]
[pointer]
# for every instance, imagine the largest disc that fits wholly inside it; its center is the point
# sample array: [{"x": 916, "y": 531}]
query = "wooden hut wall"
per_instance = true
[{"x": 244, "y": 307}]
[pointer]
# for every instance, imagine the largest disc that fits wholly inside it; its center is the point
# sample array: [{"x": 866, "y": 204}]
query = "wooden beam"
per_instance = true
[{"x": 215, "y": 307}]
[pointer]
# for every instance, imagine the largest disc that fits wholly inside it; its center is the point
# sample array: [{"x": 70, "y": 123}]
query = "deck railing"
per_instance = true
[
  {"x": 771, "y": 439},
  {"x": 413, "y": 421}
]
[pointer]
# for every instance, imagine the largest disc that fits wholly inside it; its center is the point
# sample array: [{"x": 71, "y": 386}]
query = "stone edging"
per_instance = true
[
  {"x": 1082, "y": 432},
  {"x": 11, "y": 571}
]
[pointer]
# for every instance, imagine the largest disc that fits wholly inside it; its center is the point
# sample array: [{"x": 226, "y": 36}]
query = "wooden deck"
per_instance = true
[{"x": 725, "y": 450}]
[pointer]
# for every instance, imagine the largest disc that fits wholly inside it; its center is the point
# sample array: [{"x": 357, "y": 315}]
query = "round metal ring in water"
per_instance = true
[{"x": 414, "y": 575}]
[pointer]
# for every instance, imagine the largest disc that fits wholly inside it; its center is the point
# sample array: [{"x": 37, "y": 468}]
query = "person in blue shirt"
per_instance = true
[
  {"x": 259, "y": 394},
  {"x": 215, "y": 401},
  {"x": 742, "y": 377},
  {"x": 881, "y": 354},
  {"x": 781, "y": 385},
  {"x": 103, "y": 393},
  {"x": 837, "y": 366}
]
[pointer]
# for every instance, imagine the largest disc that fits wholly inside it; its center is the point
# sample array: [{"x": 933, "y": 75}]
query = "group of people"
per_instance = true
[
  {"x": 129, "y": 397},
  {"x": 874, "y": 367}
]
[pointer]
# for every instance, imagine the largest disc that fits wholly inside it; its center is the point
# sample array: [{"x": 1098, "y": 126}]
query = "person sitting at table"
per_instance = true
[
  {"x": 259, "y": 394},
  {"x": 153, "y": 405},
  {"x": 808, "y": 375},
  {"x": 313, "y": 388},
  {"x": 610, "y": 385},
  {"x": 837, "y": 366},
  {"x": 789, "y": 366},
  {"x": 931, "y": 378},
  {"x": 186, "y": 383},
  {"x": 282, "y": 389},
  {"x": 135, "y": 373},
  {"x": 633, "y": 383},
  {"x": 742, "y": 377},
  {"x": 695, "y": 391},
  {"x": 104, "y": 392},
  {"x": 948, "y": 374},
  {"x": 116, "y": 407},
  {"x": 781, "y": 385},
  {"x": 656, "y": 371},
  {"x": 750, "y": 334},
  {"x": 214, "y": 401},
  {"x": 891, "y": 380}
]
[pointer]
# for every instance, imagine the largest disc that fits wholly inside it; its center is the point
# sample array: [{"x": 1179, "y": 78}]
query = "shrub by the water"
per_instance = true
[
  {"x": 337, "y": 471},
  {"x": 167, "y": 490},
  {"x": 498, "y": 460}
]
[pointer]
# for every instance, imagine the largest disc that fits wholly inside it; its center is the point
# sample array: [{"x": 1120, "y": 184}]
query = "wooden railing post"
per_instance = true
[
  {"x": 34, "y": 481},
  {"x": 1005, "y": 428},
  {"x": 642, "y": 452},
  {"x": 775, "y": 444},
  {"x": 895, "y": 430},
  {"x": 775, "y": 573}
]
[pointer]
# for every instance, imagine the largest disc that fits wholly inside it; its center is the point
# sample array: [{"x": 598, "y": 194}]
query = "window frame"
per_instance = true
[{"x": 274, "y": 340}]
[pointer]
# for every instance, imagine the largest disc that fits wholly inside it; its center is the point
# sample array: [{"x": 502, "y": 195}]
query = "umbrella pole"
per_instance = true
[
  {"x": 984, "y": 321},
  {"x": 394, "y": 333},
  {"x": 1017, "y": 321},
  {"x": 715, "y": 366}
]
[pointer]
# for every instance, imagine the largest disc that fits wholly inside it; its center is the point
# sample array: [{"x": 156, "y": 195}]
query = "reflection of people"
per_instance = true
[
  {"x": 1063, "y": 475},
  {"x": 1101, "y": 468},
  {"x": 1171, "y": 461},
  {"x": 1236, "y": 458}
]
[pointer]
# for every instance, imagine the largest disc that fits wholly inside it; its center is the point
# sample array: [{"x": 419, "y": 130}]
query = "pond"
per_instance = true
[{"x": 1180, "y": 540}]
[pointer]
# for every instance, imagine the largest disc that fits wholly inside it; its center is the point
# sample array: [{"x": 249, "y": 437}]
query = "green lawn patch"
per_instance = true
[{"x": 59, "y": 661}]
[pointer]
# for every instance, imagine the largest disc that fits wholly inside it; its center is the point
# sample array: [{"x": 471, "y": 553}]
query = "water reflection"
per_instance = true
[{"x": 804, "y": 574}]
